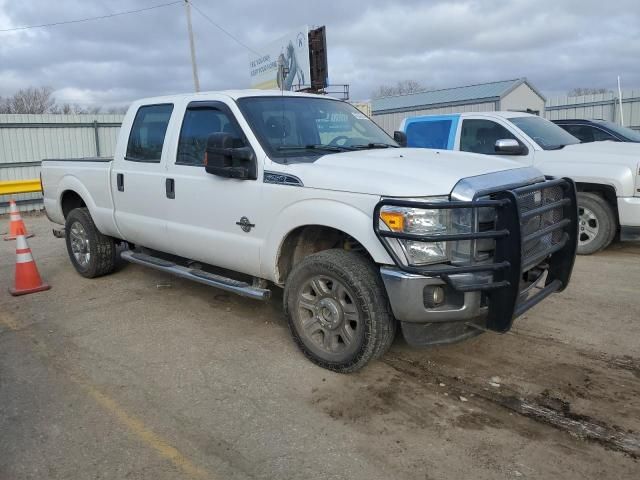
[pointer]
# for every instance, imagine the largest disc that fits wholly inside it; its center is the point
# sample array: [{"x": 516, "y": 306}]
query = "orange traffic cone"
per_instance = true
[
  {"x": 16, "y": 225},
  {"x": 27, "y": 277}
]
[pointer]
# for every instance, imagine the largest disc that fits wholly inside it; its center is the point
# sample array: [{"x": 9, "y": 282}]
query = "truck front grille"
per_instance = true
[
  {"x": 519, "y": 245},
  {"x": 541, "y": 212}
]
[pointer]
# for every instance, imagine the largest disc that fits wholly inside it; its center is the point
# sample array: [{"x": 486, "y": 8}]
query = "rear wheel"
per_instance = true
[
  {"x": 92, "y": 253},
  {"x": 337, "y": 310},
  {"x": 596, "y": 223}
]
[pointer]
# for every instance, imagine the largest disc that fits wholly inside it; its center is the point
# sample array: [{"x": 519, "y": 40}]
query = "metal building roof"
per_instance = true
[{"x": 459, "y": 95}]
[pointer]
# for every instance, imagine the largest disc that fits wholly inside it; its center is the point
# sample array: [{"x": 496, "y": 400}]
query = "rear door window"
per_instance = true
[
  {"x": 147, "y": 133},
  {"x": 430, "y": 134}
]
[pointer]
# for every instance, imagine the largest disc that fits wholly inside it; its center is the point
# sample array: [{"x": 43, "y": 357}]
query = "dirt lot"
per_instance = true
[{"x": 140, "y": 375}]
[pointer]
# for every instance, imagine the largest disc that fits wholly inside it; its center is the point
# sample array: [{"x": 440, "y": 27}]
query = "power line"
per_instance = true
[
  {"x": 230, "y": 35},
  {"x": 89, "y": 19}
]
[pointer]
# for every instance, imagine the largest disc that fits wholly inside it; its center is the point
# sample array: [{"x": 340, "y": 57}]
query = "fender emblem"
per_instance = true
[{"x": 245, "y": 224}]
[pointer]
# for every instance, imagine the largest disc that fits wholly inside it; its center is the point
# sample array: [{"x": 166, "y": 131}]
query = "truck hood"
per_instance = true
[
  {"x": 395, "y": 172},
  {"x": 614, "y": 153}
]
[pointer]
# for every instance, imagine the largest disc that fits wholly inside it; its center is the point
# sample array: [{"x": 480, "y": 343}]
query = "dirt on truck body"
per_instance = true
[{"x": 143, "y": 375}]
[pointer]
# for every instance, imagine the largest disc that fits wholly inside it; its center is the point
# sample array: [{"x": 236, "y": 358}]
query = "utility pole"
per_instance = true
[
  {"x": 620, "y": 103},
  {"x": 192, "y": 46}
]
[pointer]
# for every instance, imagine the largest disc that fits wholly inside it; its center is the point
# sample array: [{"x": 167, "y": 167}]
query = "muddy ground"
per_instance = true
[{"x": 140, "y": 375}]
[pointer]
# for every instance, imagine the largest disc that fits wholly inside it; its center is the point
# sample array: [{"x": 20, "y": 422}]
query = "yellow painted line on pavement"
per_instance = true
[
  {"x": 134, "y": 425},
  {"x": 12, "y": 187},
  {"x": 147, "y": 436}
]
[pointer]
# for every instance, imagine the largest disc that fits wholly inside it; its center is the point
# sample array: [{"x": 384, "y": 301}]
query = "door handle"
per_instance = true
[
  {"x": 120, "y": 182},
  {"x": 170, "y": 186}
]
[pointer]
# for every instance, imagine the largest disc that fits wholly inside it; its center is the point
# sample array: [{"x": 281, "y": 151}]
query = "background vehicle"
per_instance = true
[
  {"x": 598, "y": 130},
  {"x": 240, "y": 190},
  {"x": 607, "y": 175}
]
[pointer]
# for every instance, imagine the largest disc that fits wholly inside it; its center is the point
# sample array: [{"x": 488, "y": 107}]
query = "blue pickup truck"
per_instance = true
[{"x": 607, "y": 174}]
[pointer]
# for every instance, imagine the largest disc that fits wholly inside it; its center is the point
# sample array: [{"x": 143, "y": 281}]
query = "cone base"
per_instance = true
[
  {"x": 13, "y": 237},
  {"x": 25, "y": 291}
]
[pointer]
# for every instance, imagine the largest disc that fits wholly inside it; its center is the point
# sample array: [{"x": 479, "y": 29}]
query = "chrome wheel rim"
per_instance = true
[
  {"x": 588, "y": 226},
  {"x": 80, "y": 244},
  {"x": 327, "y": 315}
]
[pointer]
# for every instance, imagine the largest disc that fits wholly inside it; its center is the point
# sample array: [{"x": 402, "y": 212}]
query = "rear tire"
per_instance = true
[
  {"x": 597, "y": 223},
  {"x": 91, "y": 253},
  {"x": 337, "y": 310}
]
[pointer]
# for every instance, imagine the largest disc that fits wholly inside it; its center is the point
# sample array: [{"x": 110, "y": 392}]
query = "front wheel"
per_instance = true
[
  {"x": 92, "y": 253},
  {"x": 596, "y": 223},
  {"x": 337, "y": 310}
]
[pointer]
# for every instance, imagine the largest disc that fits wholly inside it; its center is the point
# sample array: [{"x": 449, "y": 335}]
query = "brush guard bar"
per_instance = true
[{"x": 524, "y": 240}]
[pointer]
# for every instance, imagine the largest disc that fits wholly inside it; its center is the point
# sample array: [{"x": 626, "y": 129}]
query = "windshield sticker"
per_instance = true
[{"x": 359, "y": 116}]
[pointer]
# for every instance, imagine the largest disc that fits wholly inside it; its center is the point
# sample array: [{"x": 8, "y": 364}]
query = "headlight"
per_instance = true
[{"x": 418, "y": 221}]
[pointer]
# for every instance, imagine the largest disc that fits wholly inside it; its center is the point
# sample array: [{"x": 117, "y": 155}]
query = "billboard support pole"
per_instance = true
[{"x": 192, "y": 46}]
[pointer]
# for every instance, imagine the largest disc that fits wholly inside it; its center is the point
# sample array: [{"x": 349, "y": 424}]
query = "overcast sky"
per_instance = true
[{"x": 556, "y": 44}]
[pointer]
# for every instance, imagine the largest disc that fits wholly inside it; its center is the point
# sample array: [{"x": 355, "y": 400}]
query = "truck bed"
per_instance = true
[{"x": 90, "y": 178}]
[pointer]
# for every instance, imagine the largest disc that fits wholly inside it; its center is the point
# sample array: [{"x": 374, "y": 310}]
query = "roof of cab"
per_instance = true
[
  {"x": 503, "y": 114},
  {"x": 233, "y": 94}
]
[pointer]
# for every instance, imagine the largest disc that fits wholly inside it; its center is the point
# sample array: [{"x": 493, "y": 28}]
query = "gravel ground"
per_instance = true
[{"x": 139, "y": 375}]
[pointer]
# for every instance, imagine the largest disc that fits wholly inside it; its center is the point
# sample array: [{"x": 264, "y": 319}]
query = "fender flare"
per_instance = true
[{"x": 320, "y": 212}]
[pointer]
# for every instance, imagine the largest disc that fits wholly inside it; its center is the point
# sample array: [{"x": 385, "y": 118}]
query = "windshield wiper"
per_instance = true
[
  {"x": 328, "y": 148},
  {"x": 555, "y": 147},
  {"x": 374, "y": 145}
]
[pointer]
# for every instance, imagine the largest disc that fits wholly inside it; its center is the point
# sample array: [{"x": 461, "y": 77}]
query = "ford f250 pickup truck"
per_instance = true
[
  {"x": 607, "y": 174},
  {"x": 249, "y": 190}
]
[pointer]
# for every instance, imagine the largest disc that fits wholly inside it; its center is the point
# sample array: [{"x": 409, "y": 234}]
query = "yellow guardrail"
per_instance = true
[{"x": 12, "y": 187}]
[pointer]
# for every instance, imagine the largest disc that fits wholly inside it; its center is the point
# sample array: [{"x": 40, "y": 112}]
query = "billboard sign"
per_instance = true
[{"x": 289, "y": 55}]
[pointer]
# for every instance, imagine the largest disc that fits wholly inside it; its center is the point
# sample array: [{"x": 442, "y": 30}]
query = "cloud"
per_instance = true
[{"x": 558, "y": 45}]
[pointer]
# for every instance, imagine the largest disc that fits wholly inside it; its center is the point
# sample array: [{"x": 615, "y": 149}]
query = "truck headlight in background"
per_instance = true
[{"x": 418, "y": 221}]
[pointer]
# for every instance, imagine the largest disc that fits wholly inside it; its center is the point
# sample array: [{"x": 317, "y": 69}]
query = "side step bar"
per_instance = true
[{"x": 200, "y": 276}]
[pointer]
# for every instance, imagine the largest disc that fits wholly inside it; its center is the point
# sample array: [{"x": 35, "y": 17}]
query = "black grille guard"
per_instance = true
[{"x": 509, "y": 261}]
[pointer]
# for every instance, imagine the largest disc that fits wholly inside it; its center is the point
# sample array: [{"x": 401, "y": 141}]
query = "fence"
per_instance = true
[
  {"x": 603, "y": 106},
  {"x": 26, "y": 139}
]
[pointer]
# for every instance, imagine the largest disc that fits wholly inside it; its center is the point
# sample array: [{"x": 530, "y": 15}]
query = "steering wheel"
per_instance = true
[{"x": 343, "y": 138}]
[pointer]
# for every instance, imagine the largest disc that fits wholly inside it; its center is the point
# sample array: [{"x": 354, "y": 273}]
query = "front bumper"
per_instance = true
[
  {"x": 406, "y": 295},
  {"x": 535, "y": 243}
]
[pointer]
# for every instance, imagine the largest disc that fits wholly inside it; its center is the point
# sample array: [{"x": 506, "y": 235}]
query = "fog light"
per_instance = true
[{"x": 433, "y": 296}]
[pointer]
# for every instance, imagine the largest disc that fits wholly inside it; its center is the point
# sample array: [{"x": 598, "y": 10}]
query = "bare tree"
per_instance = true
[
  {"x": 580, "y": 91},
  {"x": 403, "y": 87},
  {"x": 41, "y": 100},
  {"x": 118, "y": 110},
  {"x": 29, "y": 100}
]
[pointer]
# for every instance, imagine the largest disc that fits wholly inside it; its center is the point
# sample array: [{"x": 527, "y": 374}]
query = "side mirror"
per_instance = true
[
  {"x": 508, "y": 146},
  {"x": 227, "y": 156},
  {"x": 400, "y": 138}
]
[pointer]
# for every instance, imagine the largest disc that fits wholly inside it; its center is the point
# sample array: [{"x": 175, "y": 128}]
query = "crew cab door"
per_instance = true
[
  {"x": 479, "y": 135},
  {"x": 212, "y": 219},
  {"x": 137, "y": 179}
]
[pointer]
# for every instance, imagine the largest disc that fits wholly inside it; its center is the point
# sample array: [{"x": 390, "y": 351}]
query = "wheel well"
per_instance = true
[
  {"x": 605, "y": 191},
  {"x": 69, "y": 201},
  {"x": 309, "y": 239}
]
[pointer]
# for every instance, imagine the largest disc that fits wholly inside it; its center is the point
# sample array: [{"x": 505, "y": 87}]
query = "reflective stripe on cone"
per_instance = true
[
  {"x": 27, "y": 278},
  {"x": 16, "y": 225}
]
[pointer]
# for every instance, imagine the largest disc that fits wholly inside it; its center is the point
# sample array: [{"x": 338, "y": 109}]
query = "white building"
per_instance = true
[{"x": 518, "y": 95}]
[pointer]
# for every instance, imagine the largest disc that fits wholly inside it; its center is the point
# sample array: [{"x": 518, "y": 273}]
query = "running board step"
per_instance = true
[{"x": 200, "y": 276}]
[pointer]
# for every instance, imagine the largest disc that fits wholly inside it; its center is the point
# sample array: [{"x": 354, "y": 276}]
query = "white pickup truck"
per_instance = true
[
  {"x": 245, "y": 190},
  {"x": 607, "y": 174}
]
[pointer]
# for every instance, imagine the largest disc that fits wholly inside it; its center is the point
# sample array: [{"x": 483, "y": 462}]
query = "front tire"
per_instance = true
[
  {"x": 596, "y": 223},
  {"x": 91, "y": 253},
  {"x": 337, "y": 310}
]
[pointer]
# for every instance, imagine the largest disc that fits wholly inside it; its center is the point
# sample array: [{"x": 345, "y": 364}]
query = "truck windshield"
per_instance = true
[
  {"x": 546, "y": 134},
  {"x": 305, "y": 127},
  {"x": 626, "y": 132}
]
